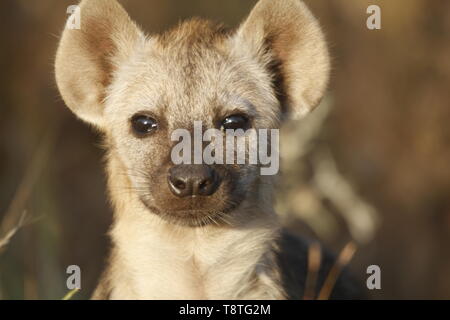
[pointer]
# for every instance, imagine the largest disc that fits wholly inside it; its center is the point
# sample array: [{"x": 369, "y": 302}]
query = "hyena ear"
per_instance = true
[
  {"x": 287, "y": 38},
  {"x": 87, "y": 57}
]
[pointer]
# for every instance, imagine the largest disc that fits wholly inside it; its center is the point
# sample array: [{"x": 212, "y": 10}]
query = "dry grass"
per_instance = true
[
  {"x": 8, "y": 236},
  {"x": 16, "y": 216},
  {"x": 344, "y": 259},
  {"x": 70, "y": 294},
  {"x": 314, "y": 260}
]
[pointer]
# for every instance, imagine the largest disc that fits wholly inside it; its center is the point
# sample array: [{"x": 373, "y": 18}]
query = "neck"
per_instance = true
[{"x": 154, "y": 259}]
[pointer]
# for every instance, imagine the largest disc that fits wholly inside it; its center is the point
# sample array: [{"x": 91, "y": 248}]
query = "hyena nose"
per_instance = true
[{"x": 192, "y": 180}]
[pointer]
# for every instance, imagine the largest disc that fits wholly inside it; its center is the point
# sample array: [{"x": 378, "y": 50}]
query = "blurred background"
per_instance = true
[{"x": 371, "y": 165}]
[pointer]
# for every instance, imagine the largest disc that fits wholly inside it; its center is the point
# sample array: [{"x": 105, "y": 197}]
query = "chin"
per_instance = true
[{"x": 194, "y": 217}]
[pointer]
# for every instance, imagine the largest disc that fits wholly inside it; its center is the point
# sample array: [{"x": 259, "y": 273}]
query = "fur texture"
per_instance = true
[{"x": 231, "y": 246}]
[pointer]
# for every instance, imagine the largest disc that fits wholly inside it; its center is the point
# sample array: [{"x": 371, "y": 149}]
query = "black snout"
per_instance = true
[{"x": 192, "y": 180}]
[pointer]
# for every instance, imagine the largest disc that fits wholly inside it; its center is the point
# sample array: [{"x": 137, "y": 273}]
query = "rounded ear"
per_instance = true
[
  {"x": 87, "y": 57},
  {"x": 287, "y": 38}
]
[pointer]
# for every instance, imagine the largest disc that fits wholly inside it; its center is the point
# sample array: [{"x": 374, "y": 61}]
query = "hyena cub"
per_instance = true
[{"x": 194, "y": 231}]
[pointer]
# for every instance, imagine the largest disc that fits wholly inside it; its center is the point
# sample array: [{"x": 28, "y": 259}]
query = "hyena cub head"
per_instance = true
[{"x": 146, "y": 92}]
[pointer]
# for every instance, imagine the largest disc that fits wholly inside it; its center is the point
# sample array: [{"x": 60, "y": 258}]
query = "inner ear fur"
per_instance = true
[
  {"x": 287, "y": 38},
  {"x": 87, "y": 57}
]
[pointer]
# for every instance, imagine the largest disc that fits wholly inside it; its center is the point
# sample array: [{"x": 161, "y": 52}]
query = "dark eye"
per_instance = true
[
  {"x": 143, "y": 124},
  {"x": 235, "y": 122}
]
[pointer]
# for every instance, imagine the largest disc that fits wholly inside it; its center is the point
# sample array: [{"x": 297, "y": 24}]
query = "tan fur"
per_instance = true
[{"x": 275, "y": 64}]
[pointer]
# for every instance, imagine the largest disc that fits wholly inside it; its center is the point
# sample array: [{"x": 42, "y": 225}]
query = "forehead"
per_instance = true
[{"x": 191, "y": 71}]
